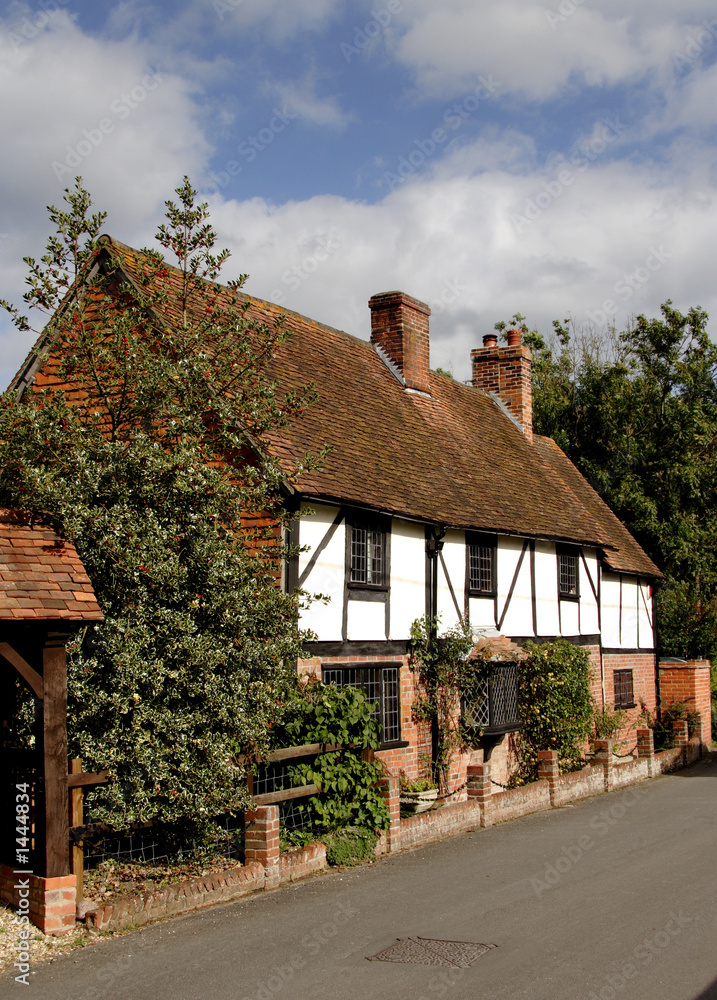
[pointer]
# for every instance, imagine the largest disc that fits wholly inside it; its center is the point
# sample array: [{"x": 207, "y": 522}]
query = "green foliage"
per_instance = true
[
  {"x": 608, "y": 722},
  {"x": 350, "y": 847},
  {"x": 678, "y": 711},
  {"x": 318, "y": 713},
  {"x": 146, "y": 473},
  {"x": 637, "y": 413},
  {"x": 556, "y": 707},
  {"x": 445, "y": 675}
]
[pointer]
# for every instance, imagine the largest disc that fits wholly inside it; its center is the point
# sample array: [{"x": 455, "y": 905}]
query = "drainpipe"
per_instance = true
[
  {"x": 656, "y": 639},
  {"x": 434, "y": 544}
]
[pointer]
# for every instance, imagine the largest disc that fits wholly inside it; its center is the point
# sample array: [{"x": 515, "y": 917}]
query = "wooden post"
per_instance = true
[
  {"x": 77, "y": 856},
  {"x": 54, "y": 745}
]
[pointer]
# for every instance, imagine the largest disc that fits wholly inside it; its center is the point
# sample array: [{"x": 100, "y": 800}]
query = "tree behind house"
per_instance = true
[{"x": 637, "y": 414}]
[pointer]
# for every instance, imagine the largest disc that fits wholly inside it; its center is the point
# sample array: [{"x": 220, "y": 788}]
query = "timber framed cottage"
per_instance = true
[{"x": 437, "y": 498}]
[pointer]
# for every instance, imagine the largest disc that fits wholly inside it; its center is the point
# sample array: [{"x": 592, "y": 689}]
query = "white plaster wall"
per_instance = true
[
  {"x": 366, "y": 620},
  {"x": 546, "y": 586},
  {"x": 645, "y": 616},
  {"x": 629, "y": 612},
  {"x": 327, "y": 576},
  {"x": 481, "y": 612},
  {"x": 569, "y": 618},
  {"x": 610, "y": 601},
  {"x": 589, "y": 618},
  {"x": 454, "y": 556},
  {"x": 408, "y": 572},
  {"x": 519, "y": 616}
]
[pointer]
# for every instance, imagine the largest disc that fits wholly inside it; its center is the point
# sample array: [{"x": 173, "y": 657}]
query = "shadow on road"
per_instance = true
[
  {"x": 704, "y": 768},
  {"x": 709, "y": 994}
]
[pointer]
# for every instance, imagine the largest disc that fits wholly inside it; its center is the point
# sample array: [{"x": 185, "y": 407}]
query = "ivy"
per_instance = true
[{"x": 445, "y": 675}]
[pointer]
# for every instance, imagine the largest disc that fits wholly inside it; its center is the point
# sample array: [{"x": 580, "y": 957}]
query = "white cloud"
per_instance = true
[
  {"x": 72, "y": 104},
  {"x": 617, "y": 239},
  {"x": 302, "y": 97},
  {"x": 540, "y": 51}
]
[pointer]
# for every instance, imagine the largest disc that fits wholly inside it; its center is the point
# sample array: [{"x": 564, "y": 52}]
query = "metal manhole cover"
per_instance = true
[{"x": 426, "y": 951}]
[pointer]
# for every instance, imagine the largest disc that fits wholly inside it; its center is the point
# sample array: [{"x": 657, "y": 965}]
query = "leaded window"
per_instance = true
[
  {"x": 367, "y": 556},
  {"x": 624, "y": 696},
  {"x": 568, "y": 573},
  {"x": 481, "y": 564},
  {"x": 381, "y": 684}
]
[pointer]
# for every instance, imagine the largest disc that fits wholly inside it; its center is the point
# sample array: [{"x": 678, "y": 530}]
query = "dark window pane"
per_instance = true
[
  {"x": 480, "y": 568},
  {"x": 623, "y": 689},
  {"x": 568, "y": 574},
  {"x": 381, "y": 686},
  {"x": 367, "y": 556}
]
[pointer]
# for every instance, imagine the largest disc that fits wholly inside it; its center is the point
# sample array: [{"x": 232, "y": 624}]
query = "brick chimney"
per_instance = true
[
  {"x": 399, "y": 326},
  {"x": 505, "y": 372}
]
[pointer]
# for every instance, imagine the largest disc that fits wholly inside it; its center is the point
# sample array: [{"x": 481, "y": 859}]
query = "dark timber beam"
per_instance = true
[
  {"x": 23, "y": 668},
  {"x": 54, "y": 733}
]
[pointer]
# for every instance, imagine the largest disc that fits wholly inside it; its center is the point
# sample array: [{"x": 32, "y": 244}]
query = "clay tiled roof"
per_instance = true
[
  {"x": 41, "y": 575},
  {"x": 455, "y": 459}
]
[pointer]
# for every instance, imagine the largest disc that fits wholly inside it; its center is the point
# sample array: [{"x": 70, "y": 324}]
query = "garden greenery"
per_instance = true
[
  {"x": 556, "y": 707},
  {"x": 445, "y": 675},
  {"x": 350, "y": 796}
]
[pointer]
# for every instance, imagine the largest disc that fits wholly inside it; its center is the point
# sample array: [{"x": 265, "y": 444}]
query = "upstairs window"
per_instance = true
[
  {"x": 568, "y": 573},
  {"x": 481, "y": 564},
  {"x": 368, "y": 555}
]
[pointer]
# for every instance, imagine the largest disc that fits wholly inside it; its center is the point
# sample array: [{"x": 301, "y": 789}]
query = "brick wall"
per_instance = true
[
  {"x": 48, "y": 902},
  {"x": 643, "y": 686},
  {"x": 688, "y": 681}
]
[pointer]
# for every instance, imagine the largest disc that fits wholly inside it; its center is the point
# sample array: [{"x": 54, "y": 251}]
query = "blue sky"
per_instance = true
[{"x": 485, "y": 156}]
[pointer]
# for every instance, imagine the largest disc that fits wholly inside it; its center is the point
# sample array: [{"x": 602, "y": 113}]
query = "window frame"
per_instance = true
[
  {"x": 568, "y": 552},
  {"x": 369, "y": 523},
  {"x": 621, "y": 704},
  {"x": 389, "y": 692},
  {"x": 477, "y": 539}
]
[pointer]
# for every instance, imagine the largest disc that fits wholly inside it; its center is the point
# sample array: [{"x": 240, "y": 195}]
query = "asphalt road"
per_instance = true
[{"x": 614, "y": 897}]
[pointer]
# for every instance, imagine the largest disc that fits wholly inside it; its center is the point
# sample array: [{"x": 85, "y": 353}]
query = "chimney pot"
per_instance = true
[{"x": 505, "y": 372}]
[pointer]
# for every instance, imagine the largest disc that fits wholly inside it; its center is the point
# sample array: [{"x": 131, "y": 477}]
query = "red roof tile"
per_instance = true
[
  {"x": 454, "y": 458},
  {"x": 39, "y": 586}
]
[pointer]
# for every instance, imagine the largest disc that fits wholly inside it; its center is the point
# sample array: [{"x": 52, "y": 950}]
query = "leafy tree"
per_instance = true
[
  {"x": 150, "y": 465},
  {"x": 556, "y": 707},
  {"x": 637, "y": 413}
]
